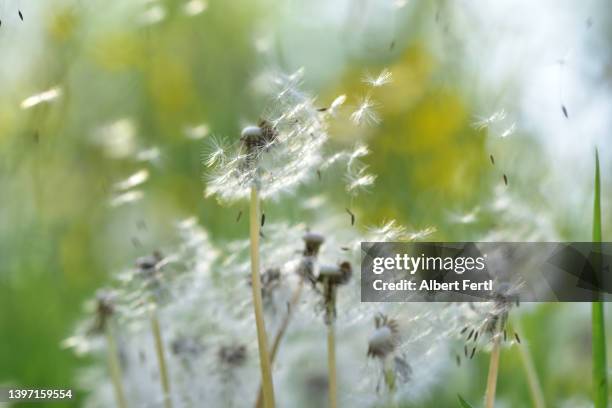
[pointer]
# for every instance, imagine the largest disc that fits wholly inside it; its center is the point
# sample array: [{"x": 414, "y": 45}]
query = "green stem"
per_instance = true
[
  {"x": 535, "y": 388},
  {"x": 262, "y": 341},
  {"x": 295, "y": 298},
  {"x": 161, "y": 360},
  {"x": 600, "y": 377},
  {"x": 114, "y": 367},
  {"x": 493, "y": 370},
  {"x": 331, "y": 365}
]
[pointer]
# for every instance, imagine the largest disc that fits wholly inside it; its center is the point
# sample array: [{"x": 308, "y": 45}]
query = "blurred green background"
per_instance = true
[{"x": 137, "y": 76}]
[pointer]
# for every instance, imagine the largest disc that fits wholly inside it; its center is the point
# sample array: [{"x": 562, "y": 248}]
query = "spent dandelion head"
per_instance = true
[{"x": 279, "y": 152}]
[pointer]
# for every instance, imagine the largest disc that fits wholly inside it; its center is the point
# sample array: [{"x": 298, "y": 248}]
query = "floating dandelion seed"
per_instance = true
[
  {"x": 239, "y": 216},
  {"x": 126, "y": 198},
  {"x": 350, "y": 213},
  {"x": 492, "y": 159},
  {"x": 196, "y": 132},
  {"x": 195, "y": 7},
  {"x": 358, "y": 180},
  {"x": 42, "y": 97},
  {"x": 385, "y": 77},
  {"x": 481, "y": 123},
  {"x": 154, "y": 14},
  {"x": 509, "y": 131},
  {"x": 20, "y": 15},
  {"x": 365, "y": 114},
  {"x": 564, "y": 110},
  {"x": 132, "y": 181}
]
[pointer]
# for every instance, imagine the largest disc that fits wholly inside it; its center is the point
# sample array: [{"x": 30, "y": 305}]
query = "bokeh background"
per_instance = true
[{"x": 94, "y": 91}]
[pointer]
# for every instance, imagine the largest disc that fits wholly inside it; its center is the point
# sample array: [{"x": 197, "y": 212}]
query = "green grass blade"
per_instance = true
[
  {"x": 463, "y": 403},
  {"x": 600, "y": 379}
]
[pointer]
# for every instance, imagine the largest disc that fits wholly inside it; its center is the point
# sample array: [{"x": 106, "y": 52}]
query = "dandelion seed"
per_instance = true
[
  {"x": 154, "y": 14},
  {"x": 132, "y": 181},
  {"x": 492, "y": 160},
  {"x": 392, "y": 45},
  {"x": 473, "y": 352},
  {"x": 216, "y": 152},
  {"x": 464, "y": 330},
  {"x": 518, "y": 339},
  {"x": 509, "y": 131},
  {"x": 20, "y": 15},
  {"x": 470, "y": 335},
  {"x": 505, "y": 179},
  {"x": 42, "y": 97},
  {"x": 195, "y": 7},
  {"x": 481, "y": 123},
  {"x": 365, "y": 114},
  {"x": 197, "y": 132},
  {"x": 564, "y": 109},
  {"x": 239, "y": 216},
  {"x": 336, "y": 104},
  {"x": 505, "y": 335},
  {"x": 263, "y": 219},
  {"x": 126, "y": 198},
  {"x": 358, "y": 180},
  {"x": 117, "y": 139},
  {"x": 458, "y": 360},
  {"x": 385, "y": 77},
  {"x": 465, "y": 351},
  {"x": 476, "y": 337},
  {"x": 350, "y": 213},
  {"x": 148, "y": 155}
]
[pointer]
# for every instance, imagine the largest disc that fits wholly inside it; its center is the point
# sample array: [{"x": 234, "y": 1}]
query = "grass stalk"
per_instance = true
[
  {"x": 535, "y": 388},
  {"x": 114, "y": 367},
  {"x": 493, "y": 370},
  {"x": 161, "y": 360},
  {"x": 262, "y": 341},
  {"x": 600, "y": 378}
]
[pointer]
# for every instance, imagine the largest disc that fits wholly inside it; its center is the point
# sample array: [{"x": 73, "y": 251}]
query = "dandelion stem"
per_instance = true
[
  {"x": 114, "y": 367},
  {"x": 161, "y": 359},
  {"x": 535, "y": 388},
  {"x": 493, "y": 370},
  {"x": 295, "y": 298},
  {"x": 389, "y": 376},
  {"x": 262, "y": 342},
  {"x": 331, "y": 365},
  {"x": 600, "y": 378}
]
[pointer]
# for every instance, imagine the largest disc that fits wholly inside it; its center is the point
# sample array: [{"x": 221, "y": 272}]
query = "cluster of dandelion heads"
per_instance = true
[{"x": 276, "y": 154}]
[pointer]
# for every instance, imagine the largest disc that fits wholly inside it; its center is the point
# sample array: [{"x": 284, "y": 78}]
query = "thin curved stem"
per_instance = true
[{"x": 331, "y": 365}]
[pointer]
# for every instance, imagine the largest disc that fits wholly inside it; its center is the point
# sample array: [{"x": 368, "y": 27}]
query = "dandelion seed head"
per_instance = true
[{"x": 277, "y": 154}]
